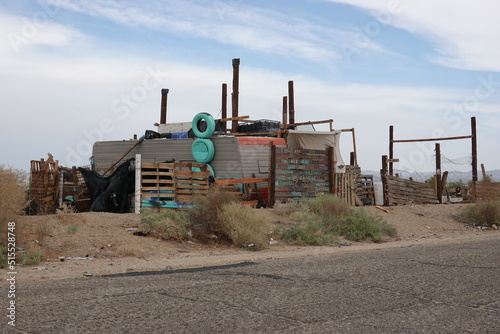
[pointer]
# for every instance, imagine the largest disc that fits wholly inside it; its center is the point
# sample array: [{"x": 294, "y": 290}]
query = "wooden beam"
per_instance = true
[
  {"x": 429, "y": 139},
  {"x": 239, "y": 118},
  {"x": 310, "y": 122},
  {"x": 220, "y": 182}
]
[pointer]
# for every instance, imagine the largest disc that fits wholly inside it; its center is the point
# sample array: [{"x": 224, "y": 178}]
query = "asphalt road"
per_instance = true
[{"x": 448, "y": 288}]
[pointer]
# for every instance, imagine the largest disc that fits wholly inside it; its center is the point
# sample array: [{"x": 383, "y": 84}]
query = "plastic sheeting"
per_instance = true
[{"x": 318, "y": 140}]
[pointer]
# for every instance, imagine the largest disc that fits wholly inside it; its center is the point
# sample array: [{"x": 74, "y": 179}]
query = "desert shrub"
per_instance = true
[
  {"x": 31, "y": 258},
  {"x": 290, "y": 207},
  {"x": 242, "y": 224},
  {"x": 327, "y": 217},
  {"x": 3, "y": 257},
  {"x": 328, "y": 207},
  {"x": 359, "y": 225},
  {"x": 13, "y": 185},
  {"x": 168, "y": 225},
  {"x": 307, "y": 235},
  {"x": 41, "y": 231},
  {"x": 204, "y": 215},
  {"x": 72, "y": 229},
  {"x": 482, "y": 213}
]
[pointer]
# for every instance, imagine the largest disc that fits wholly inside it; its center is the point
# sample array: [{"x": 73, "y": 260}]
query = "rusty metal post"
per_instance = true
[
  {"x": 285, "y": 111},
  {"x": 224, "y": 104},
  {"x": 234, "y": 97},
  {"x": 474, "y": 148},
  {"x": 291, "y": 103},
  {"x": 163, "y": 110},
  {"x": 437, "y": 177}
]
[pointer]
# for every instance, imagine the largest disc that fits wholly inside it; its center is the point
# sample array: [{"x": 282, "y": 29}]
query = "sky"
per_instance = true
[{"x": 75, "y": 72}]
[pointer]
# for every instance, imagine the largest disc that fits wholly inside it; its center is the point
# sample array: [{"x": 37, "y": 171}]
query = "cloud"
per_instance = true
[
  {"x": 227, "y": 22},
  {"x": 19, "y": 32},
  {"x": 465, "y": 34}
]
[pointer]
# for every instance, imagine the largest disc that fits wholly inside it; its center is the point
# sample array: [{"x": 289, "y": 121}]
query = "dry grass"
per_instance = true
[
  {"x": 485, "y": 213},
  {"x": 169, "y": 225},
  {"x": 243, "y": 225},
  {"x": 13, "y": 185},
  {"x": 42, "y": 230},
  {"x": 204, "y": 216}
]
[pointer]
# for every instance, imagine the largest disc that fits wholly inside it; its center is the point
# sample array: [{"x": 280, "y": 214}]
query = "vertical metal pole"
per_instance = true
[
  {"x": 224, "y": 104},
  {"x": 163, "y": 111},
  {"x": 234, "y": 97},
  {"x": 285, "y": 116},
  {"x": 437, "y": 177},
  {"x": 474, "y": 149},
  {"x": 391, "y": 149},
  {"x": 291, "y": 103}
]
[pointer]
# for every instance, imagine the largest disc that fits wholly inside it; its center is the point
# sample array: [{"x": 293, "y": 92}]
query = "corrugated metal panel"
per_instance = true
[
  {"x": 226, "y": 162},
  {"x": 255, "y": 160}
]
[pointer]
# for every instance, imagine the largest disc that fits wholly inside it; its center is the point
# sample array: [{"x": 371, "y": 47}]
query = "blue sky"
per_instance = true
[{"x": 73, "y": 72}]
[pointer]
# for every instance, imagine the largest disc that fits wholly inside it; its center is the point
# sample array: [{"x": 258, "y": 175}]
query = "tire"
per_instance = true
[
  {"x": 203, "y": 150},
  {"x": 210, "y": 125}
]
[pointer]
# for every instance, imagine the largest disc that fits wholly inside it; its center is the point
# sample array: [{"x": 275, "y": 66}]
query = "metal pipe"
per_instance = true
[
  {"x": 224, "y": 103},
  {"x": 291, "y": 103},
  {"x": 163, "y": 110},
  {"x": 234, "y": 97}
]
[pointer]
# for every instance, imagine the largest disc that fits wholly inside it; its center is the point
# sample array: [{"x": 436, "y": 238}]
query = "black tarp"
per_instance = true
[{"x": 110, "y": 193}]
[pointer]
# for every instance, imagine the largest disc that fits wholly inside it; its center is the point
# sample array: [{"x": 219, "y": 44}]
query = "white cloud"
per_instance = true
[
  {"x": 233, "y": 23},
  {"x": 465, "y": 33},
  {"x": 19, "y": 33}
]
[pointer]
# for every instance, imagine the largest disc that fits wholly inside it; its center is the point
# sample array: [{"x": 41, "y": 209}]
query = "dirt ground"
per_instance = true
[{"x": 92, "y": 244}]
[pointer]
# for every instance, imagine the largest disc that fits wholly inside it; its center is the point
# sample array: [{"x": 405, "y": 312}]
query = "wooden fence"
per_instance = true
[
  {"x": 402, "y": 191},
  {"x": 487, "y": 191},
  {"x": 43, "y": 185},
  {"x": 297, "y": 174},
  {"x": 169, "y": 185}
]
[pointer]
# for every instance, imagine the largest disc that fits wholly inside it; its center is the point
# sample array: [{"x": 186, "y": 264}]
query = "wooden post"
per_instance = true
[
  {"x": 352, "y": 160},
  {"x": 483, "y": 171},
  {"x": 138, "y": 184},
  {"x": 224, "y": 104},
  {"x": 331, "y": 169},
  {"x": 384, "y": 177},
  {"x": 271, "y": 185},
  {"x": 291, "y": 103},
  {"x": 61, "y": 188},
  {"x": 474, "y": 148},
  {"x": 437, "y": 177},
  {"x": 391, "y": 149},
  {"x": 354, "y": 147},
  {"x": 443, "y": 183}
]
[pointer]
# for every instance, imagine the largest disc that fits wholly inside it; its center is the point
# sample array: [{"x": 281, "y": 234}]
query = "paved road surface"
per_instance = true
[{"x": 449, "y": 288}]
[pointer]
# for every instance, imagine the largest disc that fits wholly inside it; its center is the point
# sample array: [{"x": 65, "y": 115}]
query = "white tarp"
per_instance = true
[{"x": 318, "y": 140}]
